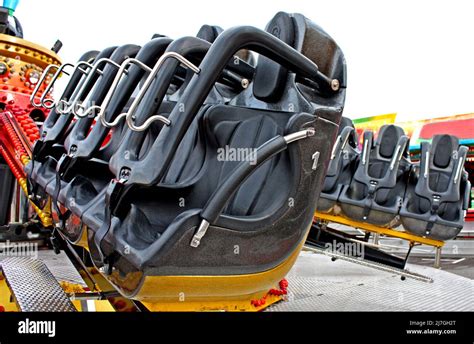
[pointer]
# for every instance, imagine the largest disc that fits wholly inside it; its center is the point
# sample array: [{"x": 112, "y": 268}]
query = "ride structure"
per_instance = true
[
  {"x": 167, "y": 220},
  {"x": 185, "y": 174},
  {"x": 22, "y": 64}
]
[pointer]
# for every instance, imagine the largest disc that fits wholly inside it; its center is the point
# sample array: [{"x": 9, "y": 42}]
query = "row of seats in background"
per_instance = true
[{"x": 381, "y": 186}]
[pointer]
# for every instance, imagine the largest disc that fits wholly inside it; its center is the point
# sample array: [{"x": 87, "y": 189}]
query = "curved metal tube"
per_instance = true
[
  {"x": 62, "y": 105},
  {"x": 129, "y": 116},
  {"x": 55, "y": 77},
  {"x": 76, "y": 104},
  {"x": 108, "y": 97},
  {"x": 38, "y": 86}
]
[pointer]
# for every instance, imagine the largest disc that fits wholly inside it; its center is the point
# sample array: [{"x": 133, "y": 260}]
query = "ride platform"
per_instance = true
[{"x": 317, "y": 283}]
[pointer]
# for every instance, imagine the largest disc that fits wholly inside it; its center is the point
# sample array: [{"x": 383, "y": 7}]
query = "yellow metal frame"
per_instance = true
[
  {"x": 210, "y": 293},
  {"x": 380, "y": 230},
  {"x": 215, "y": 293}
]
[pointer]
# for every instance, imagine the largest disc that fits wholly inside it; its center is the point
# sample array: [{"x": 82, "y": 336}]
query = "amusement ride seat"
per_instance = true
[
  {"x": 84, "y": 173},
  {"x": 438, "y": 191},
  {"x": 341, "y": 167},
  {"x": 45, "y": 146},
  {"x": 49, "y": 149},
  {"x": 139, "y": 141},
  {"x": 247, "y": 174},
  {"x": 376, "y": 191}
]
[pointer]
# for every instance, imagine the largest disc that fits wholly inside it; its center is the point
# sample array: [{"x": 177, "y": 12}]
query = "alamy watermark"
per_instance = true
[
  {"x": 350, "y": 249},
  {"x": 237, "y": 154},
  {"x": 19, "y": 249}
]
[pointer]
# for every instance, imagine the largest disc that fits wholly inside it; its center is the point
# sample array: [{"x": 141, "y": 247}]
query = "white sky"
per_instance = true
[{"x": 414, "y": 57}]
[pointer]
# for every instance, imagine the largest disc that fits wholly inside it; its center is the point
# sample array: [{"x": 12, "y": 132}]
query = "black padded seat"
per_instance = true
[
  {"x": 193, "y": 49},
  {"x": 341, "y": 167},
  {"x": 438, "y": 190},
  {"x": 46, "y": 157},
  {"x": 32, "y": 168},
  {"x": 261, "y": 199},
  {"x": 84, "y": 172},
  {"x": 378, "y": 186}
]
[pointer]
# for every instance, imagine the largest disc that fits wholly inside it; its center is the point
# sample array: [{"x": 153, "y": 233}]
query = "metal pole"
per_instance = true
[{"x": 437, "y": 263}]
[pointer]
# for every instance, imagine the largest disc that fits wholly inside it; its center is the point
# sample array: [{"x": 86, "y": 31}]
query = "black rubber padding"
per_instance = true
[
  {"x": 270, "y": 77},
  {"x": 442, "y": 154},
  {"x": 209, "y": 33}
]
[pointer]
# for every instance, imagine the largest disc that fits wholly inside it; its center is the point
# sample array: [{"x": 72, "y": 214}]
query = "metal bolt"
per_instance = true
[
  {"x": 335, "y": 84},
  {"x": 244, "y": 83}
]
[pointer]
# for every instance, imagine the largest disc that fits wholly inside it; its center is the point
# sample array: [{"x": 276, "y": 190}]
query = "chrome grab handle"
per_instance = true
[
  {"x": 62, "y": 105},
  {"x": 398, "y": 154},
  {"x": 108, "y": 97},
  {"x": 76, "y": 104},
  {"x": 53, "y": 80},
  {"x": 336, "y": 147},
  {"x": 129, "y": 116},
  {"x": 364, "y": 152},
  {"x": 42, "y": 103},
  {"x": 38, "y": 85}
]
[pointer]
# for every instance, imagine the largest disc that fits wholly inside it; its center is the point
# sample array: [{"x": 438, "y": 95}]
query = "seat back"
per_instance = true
[
  {"x": 343, "y": 156},
  {"x": 381, "y": 164},
  {"x": 341, "y": 167},
  {"x": 82, "y": 126},
  {"x": 74, "y": 83},
  {"x": 438, "y": 191},
  {"x": 55, "y": 127},
  {"x": 441, "y": 171}
]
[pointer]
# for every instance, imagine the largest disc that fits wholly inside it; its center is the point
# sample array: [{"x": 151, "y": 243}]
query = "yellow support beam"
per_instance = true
[{"x": 380, "y": 230}]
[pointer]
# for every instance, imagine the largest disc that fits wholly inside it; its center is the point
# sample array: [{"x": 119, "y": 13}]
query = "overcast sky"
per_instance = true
[{"x": 414, "y": 57}]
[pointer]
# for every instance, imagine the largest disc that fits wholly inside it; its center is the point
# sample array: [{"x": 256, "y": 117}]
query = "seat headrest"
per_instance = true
[
  {"x": 443, "y": 147},
  {"x": 209, "y": 33},
  {"x": 388, "y": 139},
  {"x": 157, "y": 35},
  {"x": 270, "y": 77}
]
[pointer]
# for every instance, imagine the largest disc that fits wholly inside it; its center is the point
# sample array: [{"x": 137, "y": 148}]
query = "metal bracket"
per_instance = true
[
  {"x": 196, "y": 241},
  {"x": 50, "y": 103}
]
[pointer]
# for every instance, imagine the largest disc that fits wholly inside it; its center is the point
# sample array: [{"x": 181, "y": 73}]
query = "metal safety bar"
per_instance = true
[
  {"x": 110, "y": 93},
  {"x": 129, "y": 116},
  {"x": 63, "y": 104},
  {"x": 340, "y": 144},
  {"x": 38, "y": 85},
  {"x": 44, "y": 102},
  {"x": 75, "y": 103}
]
